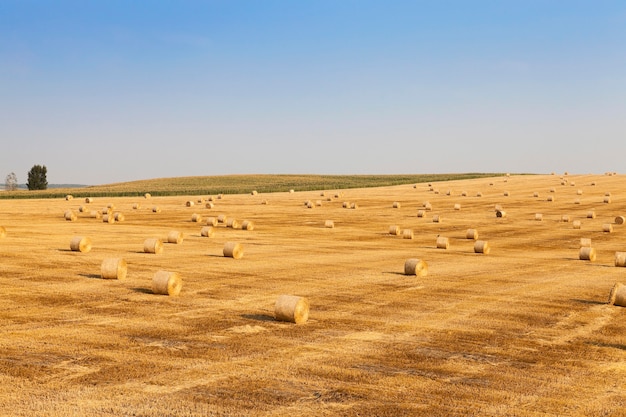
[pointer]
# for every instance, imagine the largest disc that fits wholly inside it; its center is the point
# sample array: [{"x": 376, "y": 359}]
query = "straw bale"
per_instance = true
[
  {"x": 95, "y": 214},
  {"x": 394, "y": 230},
  {"x": 207, "y": 231},
  {"x": 565, "y": 218},
  {"x": 80, "y": 244},
  {"x": 221, "y": 218},
  {"x": 416, "y": 267},
  {"x": 233, "y": 223},
  {"x": 500, "y": 213},
  {"x": 196, "y": 218},
  {"x": 189, "y": 203},
  {"x": 437, "y": 219},
  {"x": 211, "y": 221},
  {"x": 70, "y": 216},
  {"x": 457, "y": 206},
  {"x": 577, "y": 224},
  {"x": 407, "y": 234},
  {"x": 82, "y": 209},
  {"x": 428, "y": 206},
  {"x": 329, "y": 224},
  {"x": 292, "y": 309},
  {"x": 175, "y": 237},
  {"x": 535, "y": 194},
  {"x": 233, "y": 250},
  {"x": 136, "y": 206},
  {"x": 579, "y": 192},
  {"x": 551, "y": 198},
  {"x": 153, "y": 245},
  {"x": 354, "y": 206},
  {"x": 247, "y": 225},
  {"x": 443, "y": 242},
  {"x": 620, "y": 259},
  {"x": 113, "y": 268},
  {"x": 254, "y": 192},
  {"x": 617, "y": 296},
  {"x": 119, "y": 217},
  {"x": 591, "y": 214},
  {"x": 471, "y": 234},
  {"x": 88, "y": 200},
  {"x": 156, "y": 209},
  {"x": 69, "y": 197},
  {"x": 420, "y": 213},
  {"x": 108, "y": 218},
  {"x": 538, "y": 216},
  {"x": 607, "y": 200},
  {"x": 345, "y": 204},
  {"x": 147, "y": 195},
  {"x": 620, "y": 220},
  {"x": 167, "y": 283},
  {"x": 396, "y": 204},
  {"x": 607, "y": 228},
  {"x": 587, "y": 253},
  {"x": 482, "y": 246},
  {"x": 209, "y": 205}
]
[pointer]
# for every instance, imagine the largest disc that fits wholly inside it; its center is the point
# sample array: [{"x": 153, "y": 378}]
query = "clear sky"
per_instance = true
[{"x": 119, "y": 90}]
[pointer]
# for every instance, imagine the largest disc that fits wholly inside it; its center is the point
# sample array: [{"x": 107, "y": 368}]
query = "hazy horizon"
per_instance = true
[{"x": 106, "y": 92}]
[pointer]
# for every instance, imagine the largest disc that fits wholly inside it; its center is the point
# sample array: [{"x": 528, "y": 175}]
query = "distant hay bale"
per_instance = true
[
  {"x": 156, "y": 209},
  {"x": 119, "y": 217},
  {"x": 482, "y": 246},
  {"x": 196, "y": 218},
  {"x": 309, "y": 204},
  {"x": 70, "y": 216},
  {"x": 318, "y": 203},
  {"x": 443, "y": 242},
  {"x": 211, "y": 198},
  {"x": 147, "y": 195},
  {"x": 607, "y": 200},
  {"x": 500, "y": 213},
  {"x": 233, "y": 223},
  {"x": 437, "y": 219},
  {"x": 95, "y": 214},
  {"x": 153, "y": 245},
  {"x": 617, "y": 296},
  {"x": 113, "y": 268},
  {"x": 538, "y": 217},
  {"x": 471, "y": 234},
  {"x": 175, "y": 237},
  {"x": 535, "y": 194},
  {"x": 329, "y": 224},
  {"x": 577, "y": 224},
  {"x": 416, "y": 267},
  {"x": 553, "y": 190},
  {"x": 209, "y": 205},
  {"x": 345, "y": 204},
  {"x": 620, "y": 220},
  {"x": 449, "y": 192},
  {"x": 507, "y": 194},
  {"x": 166, "y": 283},
  {"x": 211, "y": 221},
  {"x": 579, "y": 192},
  {"x": 233, "y": 250},
  {"x": 80, "y": 244},
  {"x": 247, "y": 225},
  {"x": 607, "y": 194},
  {"x": 88, "y": 200},
  {"x": 136, "y": 206},
  {"x": 189, "y": 203},
  {"x": 420, "y": 213},
  {"x": 222, "y": 218},
  {"x": 407, "y": 234},
  {"x": 577, "y": 201},
  {"x": 585, "y": 241},
  {"x": 620, "y": 259},
  {"x": 354, "y": 206},
  {"x": 428, "y": 206},
  {"x": 264, "y": 202},
  {"x": 565, "y": 218},
  {"x": 593, "y": 183},
  {"x": 220, "y": 196},
  {"x": 394, "y": 230},
  {"x": 108, "y": 218},
  {"x": 479, "y": 194},
  {"x": 291, "y": 308},
  {"x": 254, "y": 192},
  {"x": 396, "y": 204},
  {"x": 591, "y": 214},
  {"x": 291, "y": 191},
  {"x": 587, "y": 253},
  {"x": 463, "y": 193},
  {"x": 111, "y": 206},
  {"x": 551, "y": 199},
  {"x": 457, "y": 206},
  {"x": 82, "y": 209},
  {"x": 69, "y": 197},
  {"x": 607, "y": 228},
  {"x": 207, "y": 231}
]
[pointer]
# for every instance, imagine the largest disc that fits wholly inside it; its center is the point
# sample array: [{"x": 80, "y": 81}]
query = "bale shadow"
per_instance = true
[
  {"x": 394, "y": 273},
  {"x": 92, "y": 276},
  {"x": 142, "y": 290},
  {"x": 593, "y": 302},
  {"x": 258, "y": 317}
]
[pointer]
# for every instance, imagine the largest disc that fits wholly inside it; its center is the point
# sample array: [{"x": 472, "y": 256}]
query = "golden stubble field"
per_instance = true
[{"x": 523, "y": 331}]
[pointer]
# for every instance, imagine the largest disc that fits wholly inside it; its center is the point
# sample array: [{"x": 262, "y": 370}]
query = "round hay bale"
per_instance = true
[
  {"x": 591, "y": 214},
  {"x": 175, "y": 237},
  {"x": 70, "y": 216},
  {"x": 3, "y": 232},
  {"x": 443, "y": 242},
  {"x": 119, "y": 217},
  {"x": 264, "y": 202},
  {"x": 211, "y": 221},
  {"x": 345, "y": 204},
  {"x": 394, "y": 230},
  {"x": 463, "y": 193},
  {"x": 535, "y": 194},
  {"x": 196, "y": 218},
  {"x": 538, "y": 217},
  {"x": 407, "y": 234},
  {"x": 95, "y": 214},
  {"x": 80, "y": 244},
  {"x": 420, "y": 213},
  {"x": 88, "y": 200},
  {"x": 233, "y": 250},
  {"x": 607, "y": 194},
  {"x": 587, "y": 253},
  {"x": 189, "y": 203},
  {"x": 136, "y": 206},
  {"x": 471, "y": 234},
  {"x": 108, "y": 218},
  {"x": 585, "y": 242},
  {"x": 482, "y": 246},
  {"x": 579, "y": 191},
  {"x": 209, "y": 205},
  {"x": 247, "y": 225},
  {"x": 207, "y": 231},
  {"x": 437, "y": 219},
  {"x": 147, "y": 195},
  {"x": 113, "y": 268},
  {"x": 607, "y": 228},
  {"x": 507, "y": 194},
  {"x": 221, "y": 218},
  {"x": 500, "y": 213},
  {"x": 82, "y": 209},
  {"x": 233, "y": 223},
  {"x": 111, "y": 206},
  {"x": 617, "y": 296},
  {"x": 292, "y": 191},
  {"x": 396, "y": 204},
  {"x": 577, "y": 224},
  {"x": 457, "y": 206},
  {"x": 551, "y": 198},
  {"x": 254, "y": 192},
  {"x": 620, "y": 259},
  {"x": 153, "y": 245},
  {"x": 620, "y": 220},
  {"x": 156, "y": 209},
  {"x": 553, "y": 190},
  {"x": 577, "y": 201},
  {"x": 291, "y": 308},
  {"x": 428, "y": 206},
  {"x": 565, "y": 218},
  {"x": 69, "y": 197},
  {"x": 167, "y": 283},
  {"x": 329, "y": 224},
  {"x": 607, "y": 200},
  {"x": 354, "y": 206},
  {"x": 416, "y": 267}
]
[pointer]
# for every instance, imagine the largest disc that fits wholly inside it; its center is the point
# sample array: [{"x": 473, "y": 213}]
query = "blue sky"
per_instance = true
[{"x": 109, "y": 91}]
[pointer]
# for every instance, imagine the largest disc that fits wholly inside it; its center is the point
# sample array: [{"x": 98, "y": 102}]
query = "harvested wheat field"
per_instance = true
[{"x": 523, "y": 330}]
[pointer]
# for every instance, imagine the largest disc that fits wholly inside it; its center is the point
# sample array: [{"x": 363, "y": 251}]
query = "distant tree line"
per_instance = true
[{"x": 37, "y": 179}]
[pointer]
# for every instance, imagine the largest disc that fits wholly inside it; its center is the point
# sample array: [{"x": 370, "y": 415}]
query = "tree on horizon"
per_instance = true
[{"x": 37, "y": 178}]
